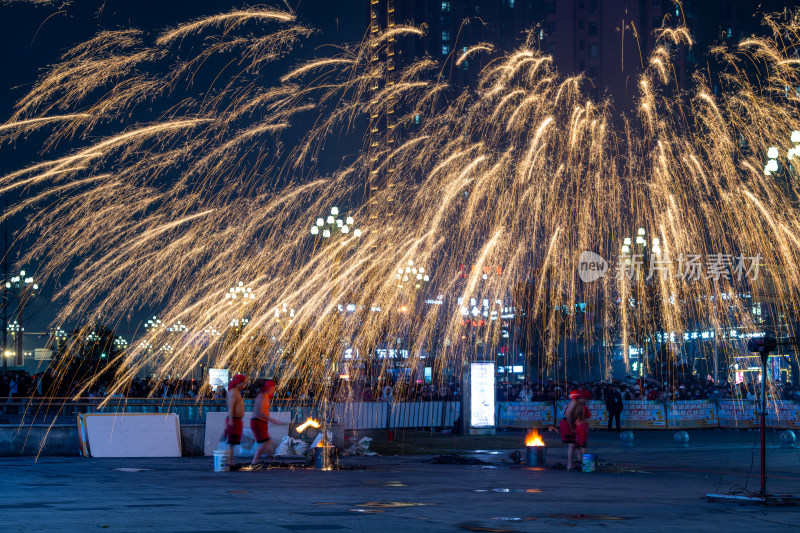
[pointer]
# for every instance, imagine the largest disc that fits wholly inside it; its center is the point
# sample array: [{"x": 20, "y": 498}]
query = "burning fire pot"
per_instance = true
[
  {"x": 537, "y": 451},
  {"x": 325, "y": 453},
  {"x": 325, "y": 458}
]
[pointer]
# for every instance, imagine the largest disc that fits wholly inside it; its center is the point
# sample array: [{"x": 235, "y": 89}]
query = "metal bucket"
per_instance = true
[
  {"x": 589, "y": 462},
  {"x": 325, "y": 458},
  {"x": 537, "y": 455},
  {"x": 222, "y": 461}
]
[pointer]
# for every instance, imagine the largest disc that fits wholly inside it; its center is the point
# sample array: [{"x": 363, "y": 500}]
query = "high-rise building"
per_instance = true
[{"x": 609, "y": 41}]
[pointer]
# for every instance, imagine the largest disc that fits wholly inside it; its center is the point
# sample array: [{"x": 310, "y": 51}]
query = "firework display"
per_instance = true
[{"x": 217, "y": 213}]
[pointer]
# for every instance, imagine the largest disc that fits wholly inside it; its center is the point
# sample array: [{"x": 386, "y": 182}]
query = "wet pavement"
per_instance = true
[{"x": 654, "y": 486}]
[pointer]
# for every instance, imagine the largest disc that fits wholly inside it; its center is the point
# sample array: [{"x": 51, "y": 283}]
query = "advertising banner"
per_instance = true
[
  {"x": 526, "y": 414},
  {"x": 740, "y": 414},
  {"x": 783, "y": 414},
  {"x": 482, "y": 395},
  {"x": 597, "y": 409},
  {"x": 643, "y": 414},
  {"x": 692, "y": 414},
  {"x": 218, "y": 377}
]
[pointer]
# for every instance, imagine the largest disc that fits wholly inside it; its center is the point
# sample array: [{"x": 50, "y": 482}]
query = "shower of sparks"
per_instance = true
[{"x": 515, "y": 176}]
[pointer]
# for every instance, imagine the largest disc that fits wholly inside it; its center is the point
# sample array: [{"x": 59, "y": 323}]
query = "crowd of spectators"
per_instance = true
[
  {"x": 21, "y": 384},
  {"x": 643, "y": 389}
]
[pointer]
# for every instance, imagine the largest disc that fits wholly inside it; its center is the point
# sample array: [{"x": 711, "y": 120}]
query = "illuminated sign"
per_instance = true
[
  {"x": 481, "y": 395},
  {"x": 217, "y": 377}
]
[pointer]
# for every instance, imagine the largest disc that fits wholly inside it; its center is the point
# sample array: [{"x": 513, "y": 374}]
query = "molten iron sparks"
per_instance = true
[
  {"x": 533, "y": 438},
  {"x": 187, "y": 194}
]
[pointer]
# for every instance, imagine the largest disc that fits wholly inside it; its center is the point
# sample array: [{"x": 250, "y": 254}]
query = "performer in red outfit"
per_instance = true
[
  {"x": 233, "y": 424},
  {"x": 259, "y": 423},
  {"x": 574, "y": 427}
]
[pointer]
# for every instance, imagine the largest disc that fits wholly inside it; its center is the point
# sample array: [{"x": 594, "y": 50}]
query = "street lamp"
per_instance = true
[
  {"x": 332, "y": 224},
  {"x": 23, "y": 287},
  {"x": 411, "y": 274},
  {"x": 637, "y": 247},
  {"x": 773, "y": 154},
  {"x": 239, "y": 292},
  {"x": 153, "y": 323},
  {"x": 16, "y": 331}
]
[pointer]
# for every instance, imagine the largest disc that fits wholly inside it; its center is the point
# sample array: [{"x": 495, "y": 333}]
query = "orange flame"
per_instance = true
[
  {"x": 533, "y": 438},
  {"x": 308, "y": 423}
]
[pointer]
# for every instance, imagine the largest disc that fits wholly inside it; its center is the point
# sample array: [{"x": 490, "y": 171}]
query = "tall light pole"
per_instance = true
[
  {"x": 5, "y": 294},
  {"x": 24, "y": 288},
  {"x": 632, "y": 248}
]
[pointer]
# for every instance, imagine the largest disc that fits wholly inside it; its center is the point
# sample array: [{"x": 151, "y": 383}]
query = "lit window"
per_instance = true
[
  {"x": 445, "y": 6},
  {"x": 445, "y": 35},
  {"x": 416, "y": 119},
  {"x": 445, "y": 49},
  {"x": 510, "y": 3}
]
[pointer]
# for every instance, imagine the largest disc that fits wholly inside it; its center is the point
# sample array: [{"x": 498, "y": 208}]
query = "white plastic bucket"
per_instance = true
[{"x": 222, "y": 461}]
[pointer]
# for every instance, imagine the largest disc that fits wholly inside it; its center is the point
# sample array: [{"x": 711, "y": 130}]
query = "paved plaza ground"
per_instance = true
[{"x": 652, "y": 487}]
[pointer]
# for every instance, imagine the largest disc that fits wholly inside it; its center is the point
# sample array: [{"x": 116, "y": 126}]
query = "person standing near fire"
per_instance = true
[
  {"x": 574, "y": 427},
  {"x": 259, "y": 422}
]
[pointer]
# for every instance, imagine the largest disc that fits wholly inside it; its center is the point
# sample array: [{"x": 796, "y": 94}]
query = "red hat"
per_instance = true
[
  {"x": 575, "y": 394},
  {"x": 269, "y": 384},
  {"x": 238, "y": 378}
]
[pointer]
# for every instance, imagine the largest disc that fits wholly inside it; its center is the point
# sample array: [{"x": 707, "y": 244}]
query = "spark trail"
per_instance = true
[{"x": 514, "y": 178}]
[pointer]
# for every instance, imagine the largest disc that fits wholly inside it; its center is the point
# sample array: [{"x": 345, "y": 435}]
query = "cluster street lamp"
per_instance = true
[
  {"x": 773, "y": 154},
  {"x": 329, "y": 226},
  {"x": 58, "y": 338},
  {"x": 239, "y": 292},
  {"x": 23, "y": 288},
  {"x": 15, "y": 330},
  {"x": 411, "y": 275}
]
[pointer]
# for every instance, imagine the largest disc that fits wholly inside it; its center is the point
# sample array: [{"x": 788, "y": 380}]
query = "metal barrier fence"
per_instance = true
[
  {"x": 637, "y": 414},
  {"x": 644, "y": 414},
  {"x": 356, "y": 415}
]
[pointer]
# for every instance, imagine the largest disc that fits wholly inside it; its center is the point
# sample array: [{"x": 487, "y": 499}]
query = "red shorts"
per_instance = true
[
  {"x": 260, "y": 429},
  {"x": 233, "y": 430},
  {"x": 579, "y": 438}
]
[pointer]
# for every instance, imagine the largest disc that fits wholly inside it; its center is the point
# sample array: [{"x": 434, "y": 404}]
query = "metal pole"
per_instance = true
[
  {"x": 764, "y": 358},
  {"x": 5, "y": 295},
  {"x": 20, "y": 332},
  {"x": 716, "y": 338}
]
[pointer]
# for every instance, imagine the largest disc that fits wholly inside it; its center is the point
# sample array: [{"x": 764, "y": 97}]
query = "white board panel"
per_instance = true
[
  {"x": 215, "y": 427},
  {"x": 133, "y": 435},
  {"x": 482, "y": 403}
]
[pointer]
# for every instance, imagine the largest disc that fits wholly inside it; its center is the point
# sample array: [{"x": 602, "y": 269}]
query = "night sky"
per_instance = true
[{"x": 33, "y": 36}]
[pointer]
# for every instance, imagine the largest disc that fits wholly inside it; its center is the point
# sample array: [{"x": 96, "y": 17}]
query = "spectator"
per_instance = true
[
  {"x": 5, "y": 387},
  {"x": 614, "y": 406}
]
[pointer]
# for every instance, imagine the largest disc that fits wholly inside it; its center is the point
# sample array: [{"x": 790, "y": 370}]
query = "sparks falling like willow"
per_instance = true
[{"x": 496, "y": 192}]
